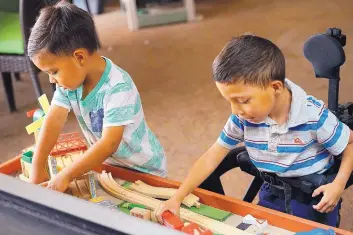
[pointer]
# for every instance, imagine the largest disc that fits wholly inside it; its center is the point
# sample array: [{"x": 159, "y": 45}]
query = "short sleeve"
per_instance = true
[
  {"x": 61, "y": 99},
  {"x": 120, "y": 104},
  {"x": 332, "y": 134},
  {"x": 232, "y": 133}
]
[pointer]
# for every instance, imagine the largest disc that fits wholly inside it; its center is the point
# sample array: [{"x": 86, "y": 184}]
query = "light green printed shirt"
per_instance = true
[{"x": 115, "y": 101}]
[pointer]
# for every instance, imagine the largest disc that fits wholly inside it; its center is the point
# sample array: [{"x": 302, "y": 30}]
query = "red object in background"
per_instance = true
[
  {"x": 31, "y": 113},
  {"x": 67, "y": 143},
  {"x": 190, "y": 229},
  {"x": 172, "y": 221}
]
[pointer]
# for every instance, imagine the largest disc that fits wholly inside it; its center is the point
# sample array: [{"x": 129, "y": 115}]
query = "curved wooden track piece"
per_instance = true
[
  {"x": 163, "y": 193},
  {"x": 109, "y": 184}
]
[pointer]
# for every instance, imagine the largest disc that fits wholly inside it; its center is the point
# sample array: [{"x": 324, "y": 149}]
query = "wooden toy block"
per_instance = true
[
  {"x": 88, "y": 178},
  {"x": 163, "y": 193},
  {"x": 153, "y": 217},
  {"x": 26, "y": 168},
  {"x": 141, "y": 213},
  {"x": 67, "y": 160},
  {"x": 59, "y": 163},
  {"x": 131, "y": 206},
  {"x": 73, "y": 189},
  {"x": 23, "y": 177},
  {"x": 53, "y": 168},
  {"x": 92, "y": 185},
  {"x": 38, "y": 116},
  {"x": 26, "y": 163},
  {"x": 82, "y": 187},
  {"x": 260, "y": 223}
]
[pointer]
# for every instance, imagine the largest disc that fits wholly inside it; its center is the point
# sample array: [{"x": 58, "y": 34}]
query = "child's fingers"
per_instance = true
[
  {"x": 318, "y": 191},
  {"x": 321, "y": 204},
  {"x": 44, "y": 184},
  {"x": 329, "y": 209},
  {"x": 326, "y": 208},
  {"x": 158, "y": 214}
]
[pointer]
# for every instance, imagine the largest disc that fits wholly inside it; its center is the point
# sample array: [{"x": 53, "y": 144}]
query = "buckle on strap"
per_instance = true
[{"x": 277, "y": 182}]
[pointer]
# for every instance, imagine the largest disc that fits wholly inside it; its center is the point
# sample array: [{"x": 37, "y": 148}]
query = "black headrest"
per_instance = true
[{"x": 326, "y": 54}]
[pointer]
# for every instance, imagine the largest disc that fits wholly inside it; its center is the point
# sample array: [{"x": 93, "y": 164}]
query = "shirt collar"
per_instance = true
[{"x": 298, "y": 109}]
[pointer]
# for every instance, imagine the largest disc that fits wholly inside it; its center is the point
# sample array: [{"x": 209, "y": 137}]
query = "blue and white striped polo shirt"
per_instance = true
[{"x": 305, "y": 144}]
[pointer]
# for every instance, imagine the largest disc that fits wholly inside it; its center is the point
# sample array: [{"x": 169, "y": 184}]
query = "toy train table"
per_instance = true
[{"x": 124, "y": 191}]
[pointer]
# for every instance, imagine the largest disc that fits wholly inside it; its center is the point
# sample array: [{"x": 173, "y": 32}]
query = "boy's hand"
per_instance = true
[
  {"x": 332, "y": 194},
  {"x": 59, "y": 183},
  {"x": 172, "y": 205}
]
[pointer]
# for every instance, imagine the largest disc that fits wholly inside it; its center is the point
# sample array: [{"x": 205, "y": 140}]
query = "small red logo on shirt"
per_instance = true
[{"x": 298, "y": 141}]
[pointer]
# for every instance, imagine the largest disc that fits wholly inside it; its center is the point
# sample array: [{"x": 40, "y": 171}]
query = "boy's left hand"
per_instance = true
[
  {"x": 59, "y": 183},
  {"x": 332, "y": 194}
]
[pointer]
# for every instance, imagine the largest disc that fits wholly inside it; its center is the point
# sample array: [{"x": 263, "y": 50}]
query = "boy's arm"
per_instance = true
[
  {"x": 93, "y": 157},
  {"x": 346, "y": 167},
  {"x": 332, "y": 192},
  {"x": 48, "y": 135},
  {"x": 201, "y": 169}
]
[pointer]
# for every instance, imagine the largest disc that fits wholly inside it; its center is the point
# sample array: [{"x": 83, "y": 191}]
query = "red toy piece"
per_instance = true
[
  {"x": 31, "y": 113},
  {"x": 172, "y": 221},
  {"x": 192, "y": 228},
  {"x": 67, "y": 143}
]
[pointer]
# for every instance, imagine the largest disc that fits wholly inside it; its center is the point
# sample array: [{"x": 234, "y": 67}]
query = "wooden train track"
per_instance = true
[
  {"x": 109, "y": 184},
  {"x": 163, "y": 193}
]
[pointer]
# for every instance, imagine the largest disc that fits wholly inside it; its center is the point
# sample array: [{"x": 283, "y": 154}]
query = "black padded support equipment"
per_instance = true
[
  {"x": 247, "y": 166},
  {"x": 326, "y": 54}
]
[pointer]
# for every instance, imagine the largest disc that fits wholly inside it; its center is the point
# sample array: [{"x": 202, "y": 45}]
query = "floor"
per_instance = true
[{"x": 171, "y": 66}]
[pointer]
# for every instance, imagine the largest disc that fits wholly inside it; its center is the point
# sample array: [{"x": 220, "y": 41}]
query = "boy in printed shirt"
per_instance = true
[
  {"x": 286, "y": 132},
  {"x": 105, "y": 100}
]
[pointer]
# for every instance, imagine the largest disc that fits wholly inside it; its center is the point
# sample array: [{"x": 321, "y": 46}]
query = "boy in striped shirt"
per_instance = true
[{"x": 286, "y": 132}]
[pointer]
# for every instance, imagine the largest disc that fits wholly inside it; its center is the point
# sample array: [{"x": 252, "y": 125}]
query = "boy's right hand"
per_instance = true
[{"x": 172, "y": 205}]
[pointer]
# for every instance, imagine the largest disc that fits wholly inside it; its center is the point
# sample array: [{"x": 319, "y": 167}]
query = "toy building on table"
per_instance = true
[{"x": 68, "y": 148}]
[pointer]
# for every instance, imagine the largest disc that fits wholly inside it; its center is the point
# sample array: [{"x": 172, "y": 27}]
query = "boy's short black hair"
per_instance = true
[
  {"x": 249, "y": 59},
  {"x": 61, "y": 29}
]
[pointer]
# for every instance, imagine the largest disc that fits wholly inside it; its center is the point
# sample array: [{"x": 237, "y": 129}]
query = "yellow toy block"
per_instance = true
[
  {"x": 43, "y": 101},
  {"x": 34, "y": 126}
]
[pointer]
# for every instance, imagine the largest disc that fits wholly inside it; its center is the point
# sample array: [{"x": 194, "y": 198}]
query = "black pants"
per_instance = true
[{"x": 213, "y": 182}]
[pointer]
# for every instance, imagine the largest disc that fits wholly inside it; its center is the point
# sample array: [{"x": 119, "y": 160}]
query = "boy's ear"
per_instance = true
[
  {"x": 80, "y": 55},
  {"x": 278, "y": 86}
]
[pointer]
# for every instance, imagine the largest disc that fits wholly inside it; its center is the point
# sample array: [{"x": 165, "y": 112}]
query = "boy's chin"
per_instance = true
[
  {"x": 68, "y": 88},
  {"x": 255, "y": 120}
]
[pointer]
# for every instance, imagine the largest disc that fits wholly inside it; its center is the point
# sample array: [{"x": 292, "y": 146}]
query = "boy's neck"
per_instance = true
[
  {"x": 96, "y": 69},
  {"x": 280, "y": 111}
]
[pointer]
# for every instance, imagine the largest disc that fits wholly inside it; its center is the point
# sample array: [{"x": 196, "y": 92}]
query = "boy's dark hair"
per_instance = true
[
  {"x": 249, "y": 59},
  {"x": 61, "y": 29}
]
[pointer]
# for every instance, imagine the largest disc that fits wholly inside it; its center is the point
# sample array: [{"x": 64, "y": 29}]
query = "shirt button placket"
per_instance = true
[{"x": 273, "y": 141}]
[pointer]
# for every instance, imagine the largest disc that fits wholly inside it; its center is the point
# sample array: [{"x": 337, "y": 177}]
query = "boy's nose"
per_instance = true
[{"x": 236, "y": 110}]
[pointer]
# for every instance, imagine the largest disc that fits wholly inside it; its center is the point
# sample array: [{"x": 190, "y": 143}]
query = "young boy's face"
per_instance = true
[
  {"x": 251, "y": 103},
  {"x": 66, "y": 71}
]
